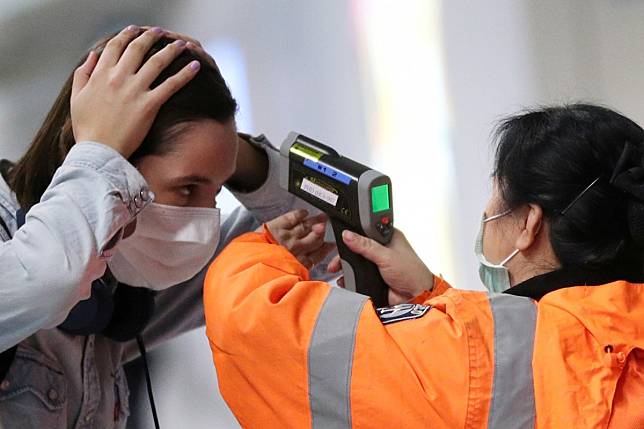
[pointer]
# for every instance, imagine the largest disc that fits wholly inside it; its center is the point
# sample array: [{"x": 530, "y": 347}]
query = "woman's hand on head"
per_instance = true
[
  {"x": 192, "y": 44},
  {"x": 403, "y": 271},
  {"x": 111, "y": 100},
  {"x": 303, "y": 236}
]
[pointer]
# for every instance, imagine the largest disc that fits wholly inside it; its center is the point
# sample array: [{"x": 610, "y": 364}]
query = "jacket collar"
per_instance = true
[{"x": 540, "y": 285}]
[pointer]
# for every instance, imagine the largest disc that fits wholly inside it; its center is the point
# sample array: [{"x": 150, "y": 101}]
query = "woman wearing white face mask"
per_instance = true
[
  {"x": 558, "y": 342},
  {"x": 153, "y": 226}
]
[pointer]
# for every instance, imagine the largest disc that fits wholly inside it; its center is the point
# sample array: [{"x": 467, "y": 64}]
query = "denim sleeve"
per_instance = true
[
  {"x": 269, "y": 200},
  {"x": 50, "y": 262}
]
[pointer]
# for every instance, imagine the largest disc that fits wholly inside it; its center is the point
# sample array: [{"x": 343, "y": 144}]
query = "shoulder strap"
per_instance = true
[
  {"x": 7, "y": 234},
  {"x": 7, "y": 356},
  {"x": 4, "y": 170},
  {"x": 6, "y": 359}
]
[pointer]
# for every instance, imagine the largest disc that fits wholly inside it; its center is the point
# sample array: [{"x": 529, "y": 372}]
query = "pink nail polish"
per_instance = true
[
  {"x": 132, "y": 28},
  {"x": 180, "y": 43},
  {"x": 194, "y": 66},
  {"x": 158, "y": 30}
]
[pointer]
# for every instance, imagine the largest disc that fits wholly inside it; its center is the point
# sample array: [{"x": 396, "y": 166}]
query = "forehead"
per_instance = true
[{"x": 206, "y": 148}]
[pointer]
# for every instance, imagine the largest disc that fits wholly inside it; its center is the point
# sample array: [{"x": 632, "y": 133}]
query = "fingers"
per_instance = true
[
  {"x": 300, "y": 230},
  {"x": 335, "y": 265},
  {"x": 115, "y": 47},
  {"x": 133, "y": 55},
  {"x": 291, "y": 219},
  {"x": 315, "y": 223},
  {"x": 319, "y": 228},
  {"x": 309, "y": 242},
  {"x": 370, "y": 249},
  {"x": 163, "y": 92},
  {"x": 83, "y": 73},
  {"x": 316, "y": 220},
  {"x": 304, "y": 238},
  {"x": 196, "y": 47},
  {"x": 159, "y": 61},
  {"x": 192, "y": 44},
  {"x": 180, "y": 36},
  {"x": 295, "y": 225}
]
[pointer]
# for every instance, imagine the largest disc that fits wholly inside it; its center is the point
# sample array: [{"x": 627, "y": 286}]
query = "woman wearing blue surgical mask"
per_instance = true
[
  {"x": 111, "y": 218},
  {"x": 496, "y": 276},
  {"x": 556, "y": 342}
]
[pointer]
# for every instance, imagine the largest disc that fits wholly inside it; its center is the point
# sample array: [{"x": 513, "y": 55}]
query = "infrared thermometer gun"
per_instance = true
[{"x": 354, "y": 196}]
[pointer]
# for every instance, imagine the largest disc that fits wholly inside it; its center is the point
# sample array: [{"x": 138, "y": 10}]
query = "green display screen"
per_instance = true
[{"x": 380, "y": 198}]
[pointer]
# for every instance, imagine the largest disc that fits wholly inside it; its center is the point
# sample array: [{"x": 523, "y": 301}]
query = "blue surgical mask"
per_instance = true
[{"x": 495, "y": 277}]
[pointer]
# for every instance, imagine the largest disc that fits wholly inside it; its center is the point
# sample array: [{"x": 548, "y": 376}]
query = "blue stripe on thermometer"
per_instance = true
[{"x": 328, "y": 171}]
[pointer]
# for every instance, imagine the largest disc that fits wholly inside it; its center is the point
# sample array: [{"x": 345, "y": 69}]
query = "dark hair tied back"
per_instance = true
[
  {"x": 628, "y": 178},
  {"x": 584, "y": 166}
]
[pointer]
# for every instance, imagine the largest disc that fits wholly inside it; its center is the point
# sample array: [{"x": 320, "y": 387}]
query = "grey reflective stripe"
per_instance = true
[
  {"x": 331, "y": 359},
  {"x": 512, "y": 403}
]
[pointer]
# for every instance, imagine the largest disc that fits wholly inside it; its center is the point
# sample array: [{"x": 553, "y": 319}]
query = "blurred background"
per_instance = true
[{"x": 412, "y": 88}]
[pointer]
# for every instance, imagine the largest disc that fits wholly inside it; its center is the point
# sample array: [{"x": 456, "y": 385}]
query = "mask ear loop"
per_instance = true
[
  {"x": 496, "y": 216},
  {"x": 506, "y": 260},
  {"x": 499, "y": 215}
]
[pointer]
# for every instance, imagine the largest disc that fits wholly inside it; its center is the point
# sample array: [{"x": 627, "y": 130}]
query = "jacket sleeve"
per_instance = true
[
  {"x": 290, "y": 352},
  {"x": 260, "y": 312},
  {"x": 440, "y": 287},
  {"x": 49, "y": 263}
]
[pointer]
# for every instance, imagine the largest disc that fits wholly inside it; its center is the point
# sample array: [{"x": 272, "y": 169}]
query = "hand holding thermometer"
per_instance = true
[{"x": 354, "y": 196}]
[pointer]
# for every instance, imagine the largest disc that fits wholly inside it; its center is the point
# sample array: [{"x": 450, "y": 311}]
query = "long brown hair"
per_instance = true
[{"x": 206, "y": 96}]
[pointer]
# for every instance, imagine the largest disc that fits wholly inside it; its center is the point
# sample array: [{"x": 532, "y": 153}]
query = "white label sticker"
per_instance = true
[{"x": 319, "y": 192}]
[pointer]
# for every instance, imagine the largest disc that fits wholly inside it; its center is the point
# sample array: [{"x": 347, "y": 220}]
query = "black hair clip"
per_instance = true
[{"x": 628, "y": 175}]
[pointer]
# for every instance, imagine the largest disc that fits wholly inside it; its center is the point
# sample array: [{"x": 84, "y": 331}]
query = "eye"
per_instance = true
[{"x": 187, "y": 190}]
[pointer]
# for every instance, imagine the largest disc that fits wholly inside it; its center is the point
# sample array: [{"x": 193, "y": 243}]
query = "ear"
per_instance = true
[{"x": 531, "y": 228}]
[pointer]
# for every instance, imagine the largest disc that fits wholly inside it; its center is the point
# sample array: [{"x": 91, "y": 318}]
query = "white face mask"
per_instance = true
[
  {"x": 170, "y": 245},
  {"x": 495, "y": 277}
]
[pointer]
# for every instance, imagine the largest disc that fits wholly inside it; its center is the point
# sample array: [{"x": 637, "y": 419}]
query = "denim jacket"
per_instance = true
[{"x": 58, "y": 380}]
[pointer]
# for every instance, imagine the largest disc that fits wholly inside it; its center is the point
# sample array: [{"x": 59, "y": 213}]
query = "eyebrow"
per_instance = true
[
  {"x": 194, "y": 179},
  {"x": 190, "y": 179}
]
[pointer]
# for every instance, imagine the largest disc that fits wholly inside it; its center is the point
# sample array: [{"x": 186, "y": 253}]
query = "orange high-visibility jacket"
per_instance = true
[{"x": 293, "y": 353}]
